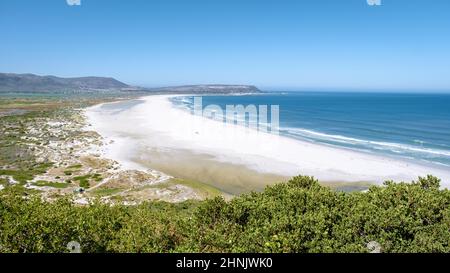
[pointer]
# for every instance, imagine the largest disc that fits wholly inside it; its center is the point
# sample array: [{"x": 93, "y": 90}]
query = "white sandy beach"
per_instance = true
[{"x": 154, "y": 125}]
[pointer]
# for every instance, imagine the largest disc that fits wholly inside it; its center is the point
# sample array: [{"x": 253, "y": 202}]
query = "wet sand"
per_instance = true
[{"x": 229, "y": 178}]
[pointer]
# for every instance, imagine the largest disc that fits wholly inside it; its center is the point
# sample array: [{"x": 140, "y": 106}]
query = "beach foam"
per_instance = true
[{"x": 154, "y": 123}]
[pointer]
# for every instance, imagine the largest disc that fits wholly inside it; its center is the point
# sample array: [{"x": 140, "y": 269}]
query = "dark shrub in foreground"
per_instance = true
[{"x": 298, "y": 216}]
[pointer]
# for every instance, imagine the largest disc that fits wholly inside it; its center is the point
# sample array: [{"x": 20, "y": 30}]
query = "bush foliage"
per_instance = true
[{"x": 297, "y": 216}]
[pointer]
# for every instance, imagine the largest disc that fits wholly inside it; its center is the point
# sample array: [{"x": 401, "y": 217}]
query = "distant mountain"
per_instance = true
[
  {"x": 208, "y": 88},
  {"x": 33, "y": 83},
  {"x": 30, "y": 83}
]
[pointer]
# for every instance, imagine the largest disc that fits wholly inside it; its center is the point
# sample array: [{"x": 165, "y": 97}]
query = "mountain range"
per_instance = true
[
  {"x": 31, "y": 83},
  {"x": 208, "y": 88}
]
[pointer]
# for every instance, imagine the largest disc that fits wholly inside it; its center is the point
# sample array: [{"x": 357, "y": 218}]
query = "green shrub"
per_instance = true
[{"x": 298, "y": 216}]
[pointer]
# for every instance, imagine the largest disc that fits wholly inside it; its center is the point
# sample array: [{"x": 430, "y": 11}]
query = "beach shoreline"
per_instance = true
[{"x": 183, "y": 144}]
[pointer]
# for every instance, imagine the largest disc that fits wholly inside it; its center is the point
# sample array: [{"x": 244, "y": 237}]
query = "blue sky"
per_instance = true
[{"x": 274, "y": 44}]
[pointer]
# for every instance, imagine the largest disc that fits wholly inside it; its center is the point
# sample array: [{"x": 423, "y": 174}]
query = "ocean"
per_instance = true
[{"x": 409, "y": 126}]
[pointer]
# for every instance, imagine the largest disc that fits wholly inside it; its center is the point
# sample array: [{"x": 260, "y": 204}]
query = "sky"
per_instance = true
[{"x": 275, "y": 44}]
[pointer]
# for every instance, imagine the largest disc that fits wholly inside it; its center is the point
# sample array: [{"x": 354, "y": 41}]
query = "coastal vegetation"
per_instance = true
[
  {"x": 43, "y": 209},
  {"x": 297, "y": 216},
  {"x": 25, "y": 136}
]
